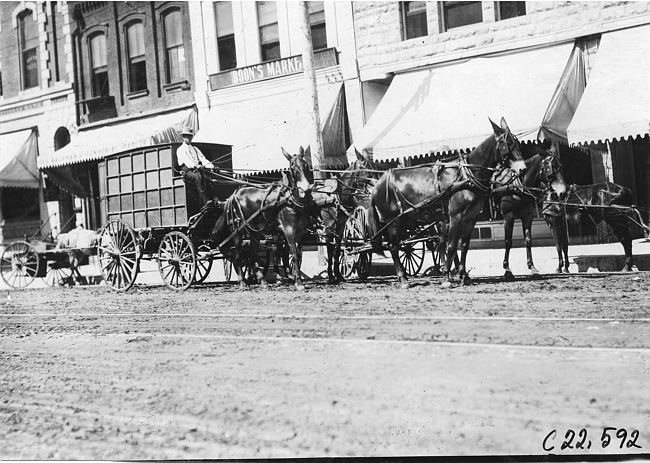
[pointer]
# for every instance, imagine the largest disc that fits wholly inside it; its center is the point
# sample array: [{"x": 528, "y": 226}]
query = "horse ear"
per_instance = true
[
  {"x": 504, "y": 125},
  {"x": 286, "y": 155},
  {"x": 301, "y": 153},
  {"x": 285, "y": 179},
  {"x": 496, "y": 128},
  {"x": 359, "y": 155}
]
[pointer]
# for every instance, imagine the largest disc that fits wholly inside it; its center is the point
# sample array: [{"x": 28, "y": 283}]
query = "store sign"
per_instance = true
[{"x": 270, "y": 69}]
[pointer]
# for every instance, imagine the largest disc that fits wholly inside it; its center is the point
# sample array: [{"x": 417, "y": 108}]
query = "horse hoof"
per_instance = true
[
  {"x": 332, "y": 281},
  {"x": 446, "y": 285},
  {"x": 509, "y": 276},
  {"x": 559, "y": 270},
  {"x": 467, "y": 281},
  {"x": 300, "y": 287},
  {"x": 404, "y": 285},
  {"x": 566, "y": 270}
]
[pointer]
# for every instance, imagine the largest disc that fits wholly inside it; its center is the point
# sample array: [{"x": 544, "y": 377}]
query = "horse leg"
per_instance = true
[
  {"x": 622, "y": 232},
  {"x": 553, "y": 225},
  {"x": 468, "y": 222},
  {"x": 238, "y": 262},
  {"x": 508, "y": 225},
  {"x": 254, "y": 255},
  {"x": 527, "y": 225},
  {"x": 453, "y": 236},
  {"x": 393, "y": 244},
  {"x": 337, "y": 259}
]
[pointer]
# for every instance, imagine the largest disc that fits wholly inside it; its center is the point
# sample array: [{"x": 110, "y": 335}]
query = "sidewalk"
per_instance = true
[{"x": 480, "y": 262}]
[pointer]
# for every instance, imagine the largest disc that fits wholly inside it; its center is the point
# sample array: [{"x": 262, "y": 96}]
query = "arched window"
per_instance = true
[
  {"x": 136, "y": 65},
  {"x": 61, "y": 138},
  {"x": 174, "y": 49},
  {"x": 98, "y": 65},
  {"x": 28, "y": 48}
]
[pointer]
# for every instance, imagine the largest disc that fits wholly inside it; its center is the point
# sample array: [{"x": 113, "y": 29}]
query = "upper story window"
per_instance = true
[
  {"x": 457, "y": 14},
  {"x": 414, "y": 19},
  {"x": 267, "y": 17},
  {"x": 317, "y": 25},
  {"x": 225, "y": 36},
  {"x": 98, "y": 65},
  {"x": 174, "y": 49},
  {"x": 509, "y": 10},
  {"x": 136, "y": 65},
  {"x": 28, "y": 46}
]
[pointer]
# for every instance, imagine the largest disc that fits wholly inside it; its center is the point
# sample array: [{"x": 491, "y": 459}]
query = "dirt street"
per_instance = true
[{"x": 361, "y": 369}]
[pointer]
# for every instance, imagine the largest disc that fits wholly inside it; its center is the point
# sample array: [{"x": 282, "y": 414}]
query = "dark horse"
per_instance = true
[
  {"x": 353, "y": 185},
  {"x": 404, "y": 197},
  {"x": 520, "y": 197},
  {"x": 281, "y": 208},
  {"x": 604, "y": 201}
]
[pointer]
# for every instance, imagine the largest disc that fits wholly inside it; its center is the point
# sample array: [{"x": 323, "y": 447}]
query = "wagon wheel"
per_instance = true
[
  {"x": 411, "y": 256},
  {"x": 119, "y": 254},
  {"x": 203, "y": 264},
  {"x": 177, "y": 261},
  {"x": 19, "y": 264},
  {"x": 353, "y": 238},
  {"x": 58, "y": 276}
]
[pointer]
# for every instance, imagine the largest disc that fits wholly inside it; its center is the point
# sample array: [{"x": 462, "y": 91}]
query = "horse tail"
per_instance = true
[{"x": 373, "y": 225}]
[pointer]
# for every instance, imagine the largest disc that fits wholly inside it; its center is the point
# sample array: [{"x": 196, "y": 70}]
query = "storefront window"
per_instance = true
[
  {"x": 414, "y": 19},
  {"x": 28, "y": 43},
  {"x": 267, "y": 16},
  {"x": 225, "y": 36},
  {"x": 458, "y": 14},
  {"x": 98, "y": 64},
  {"x": 174, "y": 49}
]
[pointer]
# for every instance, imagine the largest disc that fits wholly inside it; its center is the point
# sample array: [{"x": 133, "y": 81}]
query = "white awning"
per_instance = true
[
  {"x": 96, "y": 143},
  {"x": 616, "y": 102},
  {"x": 258, "y": 126},
  {"x": 447, "y": 108},
  {"x": 18, "y": 151}
]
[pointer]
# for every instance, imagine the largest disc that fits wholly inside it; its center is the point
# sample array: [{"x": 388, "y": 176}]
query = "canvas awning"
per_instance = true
[
  {"x": 96, "y": 143},
  {"x": 446, "y": 108},
  {"x": 259, "y": 126},
  {"x": 18, "y": 152},
  {"x": 616, "y": 101}
]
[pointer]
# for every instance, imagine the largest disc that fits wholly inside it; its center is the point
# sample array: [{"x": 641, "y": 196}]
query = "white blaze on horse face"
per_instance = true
[
  {"x": 518, "y": 166},
  {"x": 559, "y": 186}
]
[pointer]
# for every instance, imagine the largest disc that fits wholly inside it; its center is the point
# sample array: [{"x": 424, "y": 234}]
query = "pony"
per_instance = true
[
  {"x": 282, "y": 208},
  {"x": 353, "y": 187},
  {"x": 605, "y": 201},
  {"x": 402, "y": 198},
  {"x": 520, "y": 198}
]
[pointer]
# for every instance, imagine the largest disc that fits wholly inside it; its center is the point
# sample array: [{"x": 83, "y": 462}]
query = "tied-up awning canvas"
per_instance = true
[
  {"x": 258, "y": 127},
  {"x": 616, "y": 101},
  {"x": 446, "y": 108},
  {"x": 18, "y": 152},
  {"x": 97, "y": 143}
]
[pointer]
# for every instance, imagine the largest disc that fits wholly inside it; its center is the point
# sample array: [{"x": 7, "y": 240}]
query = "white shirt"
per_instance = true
[{"x": 191, "y": 156}]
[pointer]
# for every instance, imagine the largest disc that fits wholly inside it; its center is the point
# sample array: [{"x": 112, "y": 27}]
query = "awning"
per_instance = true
[
  {"x": 446, "y": 108},
  {"x": 18, "y": 151},
  {"x": 616, "y": 102},
  {"x": 259, "y": 126},
  {"x": 96, "y": 143}
]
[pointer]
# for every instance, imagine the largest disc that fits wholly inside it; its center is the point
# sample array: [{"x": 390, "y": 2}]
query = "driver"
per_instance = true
[{"x": 193, "y": 164}]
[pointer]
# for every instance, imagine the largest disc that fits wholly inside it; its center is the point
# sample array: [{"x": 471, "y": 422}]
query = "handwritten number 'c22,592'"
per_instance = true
[{"x": 581, "y": 441}]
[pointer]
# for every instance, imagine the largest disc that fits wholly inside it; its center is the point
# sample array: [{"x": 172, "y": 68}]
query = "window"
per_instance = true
[
  {"x": 137, "y": 69},
  {"x": 414, "y": 19},
  {"x": 225, "y": 36},
  {"x": 99, "y": 68},
  {"x": 457, "y": 14},
  {"x": 509, "y": 10},
  {"x": 174, "y": 50},
  {"x": 28, "y": 44},
  {"x": 267, "y": 16},
  {"x": 317, "y": 25}
]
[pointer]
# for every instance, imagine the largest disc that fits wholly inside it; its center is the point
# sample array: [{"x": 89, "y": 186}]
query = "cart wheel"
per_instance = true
[
  {"x": 353, "y": 238},
  {"x": 203, "y": 266},
  {"x": 58, "y": 276},
  {"x": 119, "y": 254},
  {"x": 19, "y": 265},
  {"x": 411, "y": 256},
  {"x": 177, "y": 261},
  {"x": 227, "y": 269}
]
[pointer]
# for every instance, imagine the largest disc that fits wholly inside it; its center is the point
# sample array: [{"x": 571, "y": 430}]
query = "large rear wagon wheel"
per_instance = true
[
  {"x": 19, "y": 264},
  {"x": 177, "y": 261},
  {"x": 119, "y": 254},
  {"x": 411, "y": 256}
]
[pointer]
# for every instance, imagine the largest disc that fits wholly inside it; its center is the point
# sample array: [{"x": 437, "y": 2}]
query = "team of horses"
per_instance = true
[{"x": 520, "y": 177}]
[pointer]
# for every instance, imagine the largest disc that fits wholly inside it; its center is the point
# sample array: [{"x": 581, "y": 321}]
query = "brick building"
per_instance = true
[
  {"x": 37, "y": 114},
  {"x": 431, "y": 73}
]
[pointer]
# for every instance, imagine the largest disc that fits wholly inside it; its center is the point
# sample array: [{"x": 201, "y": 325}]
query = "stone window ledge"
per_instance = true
[{"x": 138, "y": 94}]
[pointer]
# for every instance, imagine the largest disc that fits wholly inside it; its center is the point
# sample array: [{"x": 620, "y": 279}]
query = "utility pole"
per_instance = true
[{"x": 309, "y": 73}]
